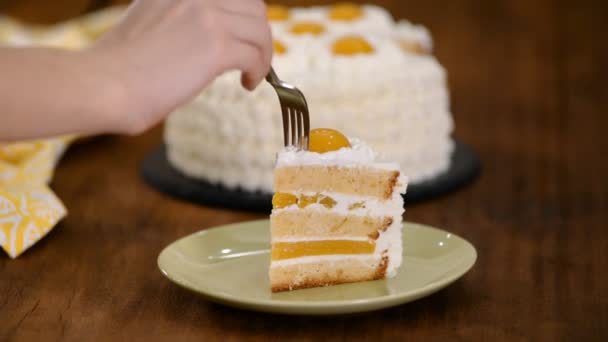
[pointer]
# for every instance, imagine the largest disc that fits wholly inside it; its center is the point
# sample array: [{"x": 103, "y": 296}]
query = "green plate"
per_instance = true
[{"x": 229, "y": 265}]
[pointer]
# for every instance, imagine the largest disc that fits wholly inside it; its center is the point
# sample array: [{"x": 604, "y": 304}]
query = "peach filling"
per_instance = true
[
  {"x": 288, "y": 250},
  {"x": 282, "y": 200}
]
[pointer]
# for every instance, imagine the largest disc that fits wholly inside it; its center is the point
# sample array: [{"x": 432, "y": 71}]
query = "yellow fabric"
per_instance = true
[{"x": 28, "y": 207}]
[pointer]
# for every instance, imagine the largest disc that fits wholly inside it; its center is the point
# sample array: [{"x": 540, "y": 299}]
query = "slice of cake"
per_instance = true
[{"x": 336, "y": 214}]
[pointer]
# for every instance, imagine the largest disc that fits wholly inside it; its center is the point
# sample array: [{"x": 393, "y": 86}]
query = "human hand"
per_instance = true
[{"x": 165, "y": 52}]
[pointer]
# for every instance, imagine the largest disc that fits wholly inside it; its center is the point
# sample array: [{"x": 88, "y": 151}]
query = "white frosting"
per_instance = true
[
  {"x": 358, "y": 154},
  {"x": 407, "y": 31},
  {"x": 390, "y": 241}
]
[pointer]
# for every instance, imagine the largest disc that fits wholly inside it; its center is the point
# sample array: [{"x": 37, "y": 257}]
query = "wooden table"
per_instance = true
[{"x": 529, "y": 90}]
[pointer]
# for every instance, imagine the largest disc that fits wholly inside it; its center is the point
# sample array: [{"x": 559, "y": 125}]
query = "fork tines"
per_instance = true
[
  {"x": 296, "y": 126},
  {"x": 296, "y": 121}
]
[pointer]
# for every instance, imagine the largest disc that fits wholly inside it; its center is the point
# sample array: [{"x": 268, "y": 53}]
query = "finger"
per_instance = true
[
  {"x": 253, "y": 31},
  {"x": 254, "y": 71},
  {"x": 246, "y": 58},
  {"x": 254, "y": 8}
]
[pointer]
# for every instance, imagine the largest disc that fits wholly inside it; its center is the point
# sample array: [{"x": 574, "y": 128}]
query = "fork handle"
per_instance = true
[{"x": 272, "y": 77}]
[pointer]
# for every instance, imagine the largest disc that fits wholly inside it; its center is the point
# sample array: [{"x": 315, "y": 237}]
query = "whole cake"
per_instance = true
[
  {"x": 336, "y": 214},
  {"x": 361, "y": 72}
]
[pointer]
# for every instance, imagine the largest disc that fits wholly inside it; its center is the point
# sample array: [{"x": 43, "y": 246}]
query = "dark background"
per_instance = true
[{"x": 529, "y": 90}]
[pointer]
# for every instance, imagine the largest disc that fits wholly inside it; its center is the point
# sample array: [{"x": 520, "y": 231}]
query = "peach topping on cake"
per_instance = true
[
  {"x": 278, "y": 47},
  {"x": 323, "y": 140},
  {"x": 352, "y": 45},
  {"x": 345, "y": 12},
  {"x": 307, "y": 27},
  {"x": 277, "y": 13}
]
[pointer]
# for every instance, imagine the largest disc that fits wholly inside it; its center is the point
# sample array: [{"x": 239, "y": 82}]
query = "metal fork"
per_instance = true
[{"x": 296, "y": 122}]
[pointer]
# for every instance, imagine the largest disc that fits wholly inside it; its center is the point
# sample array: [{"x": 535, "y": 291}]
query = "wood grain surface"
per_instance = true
[{"x": 528, "y": 86}]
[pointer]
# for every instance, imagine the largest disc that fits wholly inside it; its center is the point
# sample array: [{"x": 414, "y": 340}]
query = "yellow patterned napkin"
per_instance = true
[{"x": 28, "y": 207}]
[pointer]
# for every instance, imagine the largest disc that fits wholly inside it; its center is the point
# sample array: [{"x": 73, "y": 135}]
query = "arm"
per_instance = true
[
  {"x": 160, "y": 56},
  {"x": 47, "y": 92}
]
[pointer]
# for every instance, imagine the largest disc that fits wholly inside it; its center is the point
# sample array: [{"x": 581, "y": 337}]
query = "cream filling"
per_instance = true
[
  {"x": 319, "y": 238},
  {"x": 313, "y": 259}
]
